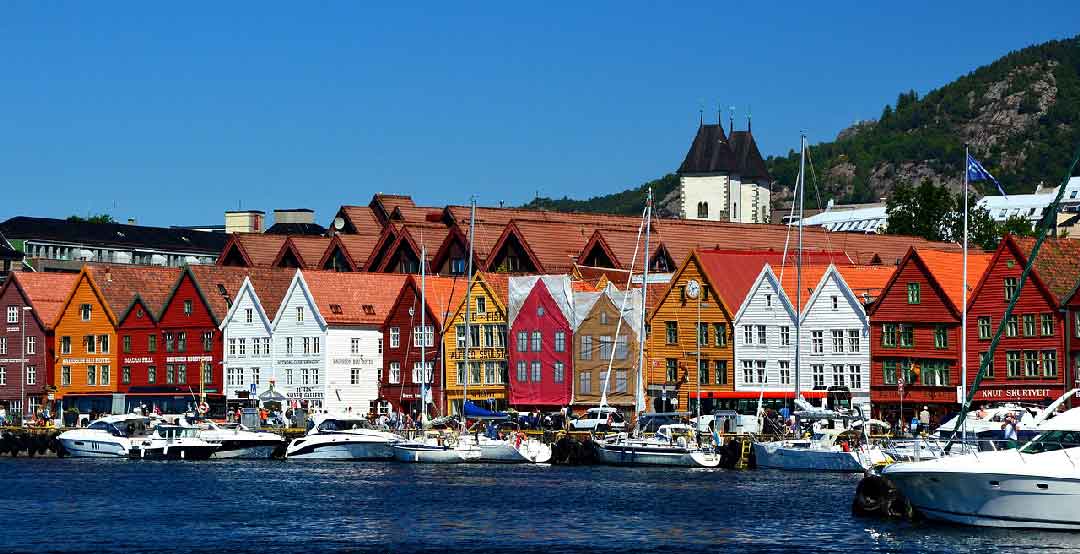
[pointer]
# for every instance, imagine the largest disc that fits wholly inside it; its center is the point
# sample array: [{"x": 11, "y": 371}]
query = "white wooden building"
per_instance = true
[
  {"x": 298, "y": 338},
  {"x": 764, "y": 333}
]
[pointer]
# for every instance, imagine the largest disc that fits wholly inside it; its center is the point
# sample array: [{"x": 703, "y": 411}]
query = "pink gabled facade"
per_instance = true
[{"x": 541, "y": 343}]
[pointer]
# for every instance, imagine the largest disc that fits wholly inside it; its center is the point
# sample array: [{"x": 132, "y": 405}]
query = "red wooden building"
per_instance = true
[
  {"x": 403, "y": 341},
  {"x": 915, "y": 334},
  {"x": 44, "y": 294},
  {"x": 541, "y": 342},
  {"x": 1032, "y": 360}
]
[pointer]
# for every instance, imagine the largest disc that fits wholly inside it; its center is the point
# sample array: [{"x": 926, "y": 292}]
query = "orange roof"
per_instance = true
[
  {"x": 556, "y": 245},
  {"x": 1057, "y": 265},
  {"x": 359, "y": 247},
  {"x": 443, "y": 295},
  {"x": 220, "y": 286},
  {"x": 363, "y": 220},
  {"x": 861, "y": 279},
  {"x": 119, "y": 284},
  {"x": 499, "y": 284},
  {"x": 46, "y": 292},
  {"x": 732, "y": 272},
  {"x": 261, "y": 249},
  {"x": 947, "y": 267},
  {"x": 311, "y": 249},
  {"x": 354, "y": 298}
]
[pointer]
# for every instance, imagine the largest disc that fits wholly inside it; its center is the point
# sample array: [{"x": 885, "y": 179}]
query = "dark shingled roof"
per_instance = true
[
  {"x": 313, "y": 229},
  {"x": 113, "y": 234},
  {"x": 710, "y": 152},
  {"x": 748, "y": 161}
]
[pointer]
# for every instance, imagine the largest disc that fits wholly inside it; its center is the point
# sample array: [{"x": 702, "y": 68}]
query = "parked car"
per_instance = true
[{"x": 599, "y": 419}]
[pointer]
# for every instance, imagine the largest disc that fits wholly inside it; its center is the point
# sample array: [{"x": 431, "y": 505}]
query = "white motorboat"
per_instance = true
[
  {"x": 1037, "y": 486},
  {"x": 108, "y": 437},
  {"x": 672, "y": 445},
  {"x": 172, "y": 442},
  {"x": 515, "y": 449},
  {"x": 436, "y": 448},
  {"x": 237, "y": 441},
  {"x": 820, "y": 454},
  {"x": 343, "y": 438}
]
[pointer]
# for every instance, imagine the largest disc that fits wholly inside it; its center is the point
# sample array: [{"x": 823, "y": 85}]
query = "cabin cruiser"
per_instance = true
[
  {"x": 436, "y": 447},
  {"x": 673, "y": 444},
  {"x": 172, "y": 442},
  {"x": 1036, "y": 486},
  {"x": 341, "y": 437},
  {"x": 986, "y": 422},
  {"x": 836, "y": 443},
  {"x": 237, "y": 441},
  {"x": 108, "y": 437}
]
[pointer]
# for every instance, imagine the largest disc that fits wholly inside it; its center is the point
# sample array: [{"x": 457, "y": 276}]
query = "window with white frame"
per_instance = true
[
  {"x": 3, "y": 375},
  {"x": 837, "y": 341},
  {"x": 31, "y": 345},
  {"x": 818, "y": 372},
  {"x": 306, "y": 342},
  {"x": 536, "y": 371},
  {"x": 522, "y": 372},
  {"x": 395, "y": 372},
  {"x": 31, "y": 375},
  {"x": 299, "y": 314},
  {"x": 12, "y": 314},
  {"x": 785, "y": 372},
  {"x": 748, "y": 371},
  {"x": 853, "y": 341},
  {"x": 838, "y": 375},
  {"x": 248, "y": 315},
  {"x": 305, "y": 376},
  {"x": 586, "y": 347},
  {"x": 232, "y": 347},
  {"x": 560, "y": 341},
  {"x": 759, "y": 365},
  {"x": 761, "y": 334},
  {"x": 354, "y": 376},
  {"x": 354, "y": 345},
  {"x": 855, "y": 373},
  {"x": 817, "y": 342},
  {"x": 395, "y": 337},
  {"x": 748, "y": 334},
  {"x": 785, "y": 335},
  {"x": 288, "y": 346},
  {"x": 560, "y": 372},
  {"x": 536, "y": 341}
]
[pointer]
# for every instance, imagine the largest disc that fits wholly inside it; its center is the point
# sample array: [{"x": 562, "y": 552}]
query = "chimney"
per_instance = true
[
  {"x": 295, "y": 215},
  {"x": 244, "y": 221}
]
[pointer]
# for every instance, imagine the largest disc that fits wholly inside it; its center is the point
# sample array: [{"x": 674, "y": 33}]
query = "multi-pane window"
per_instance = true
[
  {"x": 603, "y": 318},
  {"x": 1012, "y": 327},
  {"x": 421, "y": 373},
  {"x": 208, "y": 341},
  {"x": 354, "y": 345},
  {"x": 103, "y": 344},
  {"x": 672, "y": 370},
  {"x": 288, "y": 345},
  {"x": 853, "y": 341},
  {"x": 785, "y": 372},
  {"x": 65, "y": 375},
  {"x": 560, "y": 341},
  {"x": 1012, "y": 364},
  {"x": 703, "y": 372},
  {"x": 984, "y": 327},
  {"x": 761, "y": 334},
  {"x": 1029, "y": 325},
  {"x": 84, "y": 312},
  {"x": 535, "y": 366},
  {"x": 31, "y": 375},
  {"x": 914, "y": 295},
  {"x": 605, "y": 348},
  {"x": 837, "y": 341},
  {"x": 785, "y": 335},
  {"x": 622, "y": 347},
  {"x": 818, "y": 372},
  {"x": 151, "y": 343},
  {"x": 1046, "y": 324},
  {"x": 12, "y": 314},
  {"x": 31, "y": 345},
  {"x": 232, "y": 347},
  {"x": 855, "y": 372},
  {"x": 151, "y": 375},
  {"x": 256, "y": 347},
  {"x": 720, "y": 334},
  {"x": 888, "y": 372},
  {"x": 299, "y": 314},
  {"x": 248, "y": 315},
  {"x": 985, "y": 360},
  {"x": 1049, "y": 363},
  {"x": 935, "y": 373},
  {"x": 1010, "y": 287},
  {"x": 817, "y": 342},
  {"x": 395, "y": 337},
  {"x": 888, "y": 334},
  {"x": 621, "y": 381},
  {"x": 672, "y": 328},
  {"x": 395, "y": 372},
  {"x": 354, "y": 376},
  {"x": 586, "y": 347},
  {"x": 703, "y": 333},
  {"x": 170, "y": 344},
  {"x": 522, "y": 372},
  {"x": 306, "y": 344},
  {"x": 207, "y": 373},
  {"x": 838, "y": 375},
  {"x": 65, "y": 345},
  {"x": 91, "y": 375},
  {"x": 126, "y": 344},
  {"x": 759, "y": 365},
  {"x": 585, "y": 382},
  {"x": 536, "y": 342},
  {"x": 748, "y": 334},
  {"x": 720, "y": 367},
  {"x": 1031, "y": 363},
  {"x": 423, "y": 336},
  {"x": 459, "y": 335},
  {"x": 3, "y": 375},
  {"x": 748, "y": 371},
  {"x": 241, "y": 349},
  {"x": 941, "y": 337},
  {"x": 181, "y": 342},
  {"x": 104, "y": 374},
  {"x": 305, "y": 374},
  {"x": 170, "y": 374},
  {"x": 187, "y": 307},
  {"x": 125, "y": 375},
  {"x": 560, "y": 372},
  {"x": 90, "y": 344},
  {"x": 907, "y": 335},
  {"x": 481, "y": 305}
]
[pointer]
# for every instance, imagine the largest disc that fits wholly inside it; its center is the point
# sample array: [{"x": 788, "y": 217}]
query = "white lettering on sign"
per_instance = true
[
  {"x": 13, "y": 329},
  {"x": 74, "y": 361},
  {"x": 314, "y": 361},
  {"x": 12, "y": 360},
  {"x": 138, "y": 360},
  {"x": 188, "y": 358},
  {"x": 1017, "y": 393},
  {"x": 305, "y": 393},
  {"x": 362, "y": 360}
]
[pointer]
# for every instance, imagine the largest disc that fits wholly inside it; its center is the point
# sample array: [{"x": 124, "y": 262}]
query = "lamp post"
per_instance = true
[{"x": 22, "y": 379}]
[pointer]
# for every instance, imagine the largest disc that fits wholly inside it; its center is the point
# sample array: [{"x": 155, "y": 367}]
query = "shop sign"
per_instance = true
[
  {"x": 1017, "y": 393},
  {"x": 181, "y": 359},
  {"x": 362, "y": 360},
  {"x": 144, "y": 360},
  {"x": 289, "y": 361},
  {"x": 305, "y": 393},
  {"x": 75, "y": 361},
  {"x": 13, "y": 360}
]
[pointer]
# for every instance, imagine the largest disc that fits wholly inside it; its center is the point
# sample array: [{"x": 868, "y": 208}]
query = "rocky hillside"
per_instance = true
[{"x": 1020, "y": 115}]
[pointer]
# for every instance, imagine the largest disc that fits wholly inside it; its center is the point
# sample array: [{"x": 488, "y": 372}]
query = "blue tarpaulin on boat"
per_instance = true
[{"x": 472, "y": 410}]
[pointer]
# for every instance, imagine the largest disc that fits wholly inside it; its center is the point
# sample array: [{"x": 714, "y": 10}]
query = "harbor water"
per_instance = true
[{"x": 79, "y": 505}]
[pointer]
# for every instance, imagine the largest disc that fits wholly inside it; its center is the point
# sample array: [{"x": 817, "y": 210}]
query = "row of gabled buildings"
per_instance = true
[{"x": 722, "y": 332}]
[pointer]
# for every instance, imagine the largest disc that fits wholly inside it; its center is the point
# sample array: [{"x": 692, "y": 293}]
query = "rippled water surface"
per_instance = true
[{"x": 273, "y": 506}]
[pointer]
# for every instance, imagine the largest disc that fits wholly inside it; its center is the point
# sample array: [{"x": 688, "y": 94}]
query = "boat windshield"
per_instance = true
[
  {"x": 344, "y": 424},
  {"x": 1051, "y": 441},
  {"x": 126, "y": 428}
]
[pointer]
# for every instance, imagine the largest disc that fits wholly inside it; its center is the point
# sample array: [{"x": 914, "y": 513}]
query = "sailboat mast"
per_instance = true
[
  {"x": 640, "y": 407},
  {"x": 799, "y": 192},
  {"x": 468, "y": 310},
  {"x": 963, "y": 314},
  {"x": 423, "y": 331}
]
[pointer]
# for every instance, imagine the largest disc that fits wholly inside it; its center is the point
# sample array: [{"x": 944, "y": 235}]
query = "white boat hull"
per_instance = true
[
  {"x": 510, "y": 452},
  {"x": 795, "y": 458},
  {"x": 426, "y": 454},
  {"x": 255, "y": 452},
  {"x": 339, "y": 447},
  {"x": 653, "y": 456},
  {"x": 84, "y": 448}
]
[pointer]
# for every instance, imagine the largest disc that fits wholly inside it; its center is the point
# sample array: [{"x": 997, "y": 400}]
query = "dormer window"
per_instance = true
[
  {"x": 299, "y": 314},
  {"x": 187, "y": 307},
  {"x": 335, "y": 308},
  {"x": 835, "y": 302},
  {"x": 84, "y": 312}
]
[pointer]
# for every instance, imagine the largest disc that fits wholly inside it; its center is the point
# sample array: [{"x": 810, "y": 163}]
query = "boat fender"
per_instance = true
[{"x": 518, "y": 439}]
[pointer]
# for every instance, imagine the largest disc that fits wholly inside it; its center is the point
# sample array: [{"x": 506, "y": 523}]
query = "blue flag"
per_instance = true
[{"x": 976, "y": 172}]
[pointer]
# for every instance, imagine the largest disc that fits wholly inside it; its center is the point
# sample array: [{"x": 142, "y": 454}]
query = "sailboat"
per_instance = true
[
  {"x": 672, "y": 444},
  {"x": 833, "y": 444},
  {"x": 434, "y": 447}
]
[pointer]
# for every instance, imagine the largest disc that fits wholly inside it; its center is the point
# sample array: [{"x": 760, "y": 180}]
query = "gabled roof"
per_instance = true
[
  {"x": 84, "y": 273},
  {"x": 310, "y": 249},
  {"x": 113, "y": 234},
  {"x": 556, "y": 286},
  {"x": 354, "y": 298},
  {"x": 598, "y": 242},
  {"x": 945, "y": 269},
  {"x": 219, "y": 286},
  {"x": 442, "y": 294},
  {"x": 732, "y": 272},
  {"x": 863, "y": 280},
  {"x": 359, "y": 220},
  {"x": 766, "y": 275},
  {"x": 1057, "y": 265},
  {"x": 257, "y": 249},
  {"x": 121, "y": 285},
  {"x": 512, "y": 230},
  {"x": 269, "y": 287},
  {"x": 710, "y": 152},
  {"x": 556, "y": 246},
  {"x": 748, "y": 161},
  {"x": 45, "y": 292}
]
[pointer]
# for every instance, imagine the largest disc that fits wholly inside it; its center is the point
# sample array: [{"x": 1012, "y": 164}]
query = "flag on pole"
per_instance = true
[{"x": 976, "y": 172}]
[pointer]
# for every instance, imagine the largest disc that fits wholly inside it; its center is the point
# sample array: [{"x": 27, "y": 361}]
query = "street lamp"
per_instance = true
[{"x": 22, "y": 380}]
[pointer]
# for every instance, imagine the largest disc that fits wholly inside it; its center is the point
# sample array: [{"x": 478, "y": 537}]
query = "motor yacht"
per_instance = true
[
  {"x": 108, "y": 437},
  {"x": 340, "y": 437},
  {"x": 673, "y": 444},
  {"x": 1036, "y": 486},
  {"x": 172, "y": 442},
  {"x": 237, "y": 441}
]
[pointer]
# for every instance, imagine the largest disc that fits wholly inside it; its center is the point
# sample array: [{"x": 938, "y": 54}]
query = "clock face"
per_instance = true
[{"x": 693, "y": 288}]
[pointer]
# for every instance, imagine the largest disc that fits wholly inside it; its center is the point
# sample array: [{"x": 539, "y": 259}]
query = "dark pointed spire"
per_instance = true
[
  {"x": 731, "y": 120},
  {"x": 747, "y": 118}
]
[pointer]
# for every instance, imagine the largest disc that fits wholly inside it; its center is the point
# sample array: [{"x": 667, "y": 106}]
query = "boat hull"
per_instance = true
[
  {"x": 426, "y": 454},
  {"x": 777, "y": 456},
  {"x": 184, "y": 452},
  {"x": 509, "y": 452},
  {"x": 339, "y": 448},
  {"x": 651, "y": 456},
  {"x": 84, "y": 448},
  {"x": 245, "y": 451},
  {"x": 1036, "y": 502}
]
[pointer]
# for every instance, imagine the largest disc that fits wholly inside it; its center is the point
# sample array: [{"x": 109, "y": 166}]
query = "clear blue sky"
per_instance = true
[{"x": 172, "y": 117}]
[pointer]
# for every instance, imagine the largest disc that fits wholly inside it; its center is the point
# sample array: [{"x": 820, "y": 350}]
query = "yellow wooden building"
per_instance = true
[
  {"x": 488, "y": 383},
  {"x": 672, "y": 341}
]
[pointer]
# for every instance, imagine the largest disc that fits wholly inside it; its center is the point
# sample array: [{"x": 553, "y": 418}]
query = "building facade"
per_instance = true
[
  {"x": 724, "y": 178},
  {"x": 598, "y": 321},
  {"x": 85, "y": 335},
  {"x": 541, "y": 319},
  {"x": 297, "y": 333},
  {"x": 484, "y": 382},
  {"x": 765, "y": 338}
]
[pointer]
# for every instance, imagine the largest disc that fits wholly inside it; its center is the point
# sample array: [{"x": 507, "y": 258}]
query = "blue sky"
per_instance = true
[{"x": 173, "y": 116}]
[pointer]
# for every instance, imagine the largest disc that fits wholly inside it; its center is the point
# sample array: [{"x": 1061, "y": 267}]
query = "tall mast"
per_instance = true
[
  {"x": 423, "y": 331},
  {"x": 640, "y": 407},
  {"x": 800, "y": 191},
  {"x": 963, "y": 314},
  {"x": 468, "y": 308}
]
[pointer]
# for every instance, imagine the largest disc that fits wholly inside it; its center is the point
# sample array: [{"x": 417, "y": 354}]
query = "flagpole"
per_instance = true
[{"x": 963, "y": 316}]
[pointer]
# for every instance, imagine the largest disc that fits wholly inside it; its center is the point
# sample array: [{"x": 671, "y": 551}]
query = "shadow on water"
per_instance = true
[{"x": 233, "y": 506}]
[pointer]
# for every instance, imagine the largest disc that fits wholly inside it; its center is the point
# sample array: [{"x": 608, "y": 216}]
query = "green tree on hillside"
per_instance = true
[{"x": 930, "y": 211}]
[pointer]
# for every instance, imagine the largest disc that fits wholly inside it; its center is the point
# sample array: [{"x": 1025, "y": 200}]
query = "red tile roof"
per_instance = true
[
  {"x": 261, "y": 249},
  {"x": 1057, "y": 265},
  {"x": 444, "y": 295},
  {"x": 119, "y": 284},
  {"x": 359, "y": 247},
  {"x": 946, "y": 269},
  {"x": 362, "y": 218},
  {"x": 732, "y": 272},
  {"x": 861, "y": 279},
  {"x": 311, "y": 249},
  {"x": 46, "y": 292},
  {"x": 354, "y": 298},
  {"x": 220, "y": 286}
]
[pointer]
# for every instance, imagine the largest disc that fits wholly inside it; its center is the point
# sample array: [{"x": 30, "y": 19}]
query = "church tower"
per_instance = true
[{"x": 723, "y": 177}]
